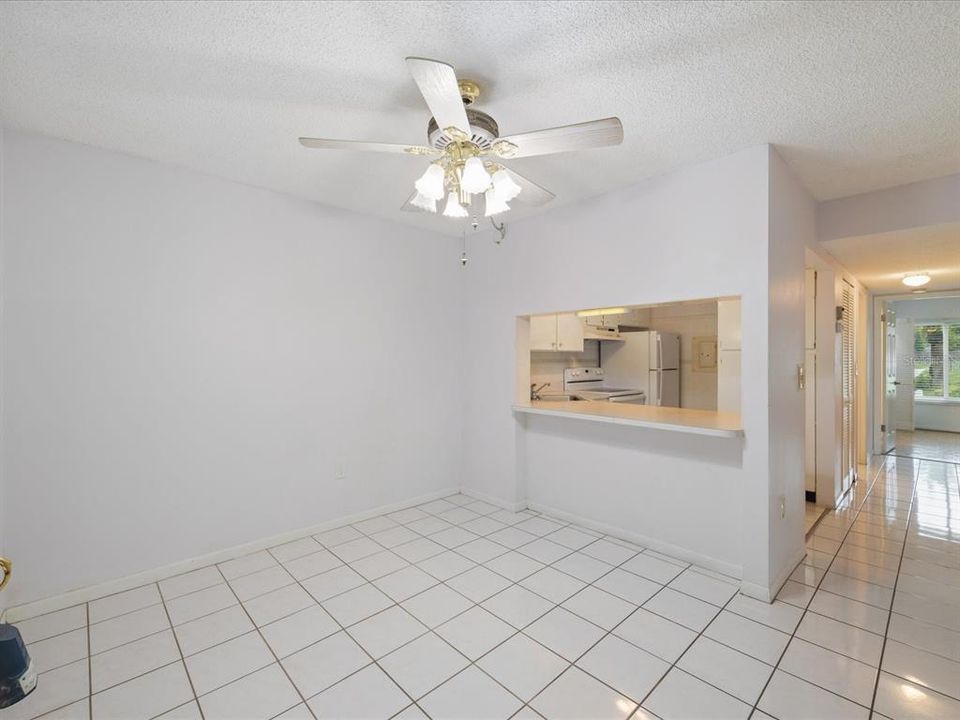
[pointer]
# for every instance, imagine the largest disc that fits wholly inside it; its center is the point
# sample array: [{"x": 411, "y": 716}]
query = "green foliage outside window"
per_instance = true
[{"x": 931, "y": 365}]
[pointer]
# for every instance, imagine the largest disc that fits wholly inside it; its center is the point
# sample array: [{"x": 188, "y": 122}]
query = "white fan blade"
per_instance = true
[
  {"x": 438, "y": 85},
  {"x": 360, "y": 145},
  {"x": 596, "y": 133},
  {"x": 530, "y": 192}
]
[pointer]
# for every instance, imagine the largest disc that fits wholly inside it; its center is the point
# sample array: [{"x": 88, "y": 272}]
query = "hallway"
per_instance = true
[
  {"x": 927, "y": 445},
  {"x": 879, "y": 588}
]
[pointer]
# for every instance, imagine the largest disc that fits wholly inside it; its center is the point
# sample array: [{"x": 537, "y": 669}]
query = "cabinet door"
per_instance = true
[
  {"x": 569, "y": 333},
  {"x": 728, "y": 381},
  {"x": 543, "y": 332},
  {"x": 728, "y": 324}
]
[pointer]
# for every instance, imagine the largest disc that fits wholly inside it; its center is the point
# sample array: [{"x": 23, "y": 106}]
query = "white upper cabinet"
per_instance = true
[
  {"x": 569, "y": 333},
  {"x": 557, "y": 333},
  {"x": 543, "y": 332},
  {"x": 728, "y": 324}
]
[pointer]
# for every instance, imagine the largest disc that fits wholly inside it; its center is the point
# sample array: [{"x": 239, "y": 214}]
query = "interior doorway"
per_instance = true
[
  {"x": 917, "y": 386},
  {"x": 813, "y": 510}
]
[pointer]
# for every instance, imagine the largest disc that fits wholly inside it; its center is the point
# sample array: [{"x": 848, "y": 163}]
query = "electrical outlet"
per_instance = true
[
  {"x": 338, "y": 470},
  {"x": 783, "y": 507}
]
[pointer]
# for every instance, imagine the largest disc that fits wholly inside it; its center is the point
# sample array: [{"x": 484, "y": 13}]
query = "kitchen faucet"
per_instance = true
[{"x": 535, "y": 391}]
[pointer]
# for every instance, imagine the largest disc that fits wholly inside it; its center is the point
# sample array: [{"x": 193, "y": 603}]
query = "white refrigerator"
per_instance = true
[{"x": 646, "y": 360}]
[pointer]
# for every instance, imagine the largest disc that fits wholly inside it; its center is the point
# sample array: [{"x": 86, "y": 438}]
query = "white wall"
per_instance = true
[
  {"x": 928, "y": 202},
  {"x": 4, "y": 507},
  {"x": 699, "y": 232},
  {"x": 792, "y": 228},
  {"x": 187, "y": 359},
  {"x": 936, "y": 416}
]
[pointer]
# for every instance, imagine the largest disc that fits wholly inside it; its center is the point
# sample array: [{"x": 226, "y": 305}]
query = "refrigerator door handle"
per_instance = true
[
  {"x": 659, "y": 383},
  {"x": 659, "y": 352}
]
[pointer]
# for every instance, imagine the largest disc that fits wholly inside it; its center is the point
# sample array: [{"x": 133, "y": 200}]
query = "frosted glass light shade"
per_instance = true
[
  {"x": 430, "y": 184},
  {"x": 504, "y": 185},
  {"x": 475, "y": 178},
  {"x": 495, "y": 205},
  {"x": 453, "y": 208},
  {"x": 424, "y": 203},
  {"x": 916, "y": 280}
]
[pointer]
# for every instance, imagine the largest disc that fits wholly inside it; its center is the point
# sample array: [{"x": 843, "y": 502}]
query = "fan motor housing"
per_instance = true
[{"x": 483, "y": 131}]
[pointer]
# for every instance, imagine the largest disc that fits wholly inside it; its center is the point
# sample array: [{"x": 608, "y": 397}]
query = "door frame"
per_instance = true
[{"x": 876, "y": 359}]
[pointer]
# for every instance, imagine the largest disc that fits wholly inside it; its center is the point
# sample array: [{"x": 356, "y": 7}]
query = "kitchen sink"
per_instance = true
[{"x": 559, "y": 398}]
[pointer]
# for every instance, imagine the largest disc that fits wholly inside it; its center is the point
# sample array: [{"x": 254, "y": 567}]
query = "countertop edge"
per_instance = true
[{"x": 634, "y": 422}]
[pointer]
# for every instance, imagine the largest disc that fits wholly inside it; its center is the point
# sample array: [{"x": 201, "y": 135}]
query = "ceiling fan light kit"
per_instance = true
[
  {"x": 468, "y": 148},
  {"x": 453, "y": 208},
  {"x": 494, "y": 203}
]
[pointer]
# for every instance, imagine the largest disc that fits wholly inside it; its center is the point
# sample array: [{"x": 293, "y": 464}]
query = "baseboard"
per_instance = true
[
  {"x": 769, "y": 594},
  {"x": 680, "y": 553},
  {"x": 512, "y": 507},
  {"x": 128, "y": 582}
]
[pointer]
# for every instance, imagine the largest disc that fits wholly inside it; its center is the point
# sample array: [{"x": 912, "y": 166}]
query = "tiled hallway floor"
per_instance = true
[
  {"x": 456, "y": 609},
  {"x": 927, "y": 445}
]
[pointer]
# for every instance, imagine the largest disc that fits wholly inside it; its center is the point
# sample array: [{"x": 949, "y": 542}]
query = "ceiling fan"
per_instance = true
[{"x": 469, "y": 151}]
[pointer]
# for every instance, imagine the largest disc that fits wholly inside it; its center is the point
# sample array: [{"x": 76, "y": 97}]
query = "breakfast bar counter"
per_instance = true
[{"x": 672, "y": 419}]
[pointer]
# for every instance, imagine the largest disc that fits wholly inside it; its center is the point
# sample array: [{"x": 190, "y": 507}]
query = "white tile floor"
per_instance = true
[{"x": 457, "y": 609}]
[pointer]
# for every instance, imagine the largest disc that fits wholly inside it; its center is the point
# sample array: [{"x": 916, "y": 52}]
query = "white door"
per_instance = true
[
  {"x": 903, "y": 398},
  {"x": 569, "y": 333},
  {"x": 888, "y": 320},
  {"x": 810, "y": 380},
  {"x": 543, "y": 332},
  {"x": 810, "y": 424},
  {"x": 848, "y": 381}
]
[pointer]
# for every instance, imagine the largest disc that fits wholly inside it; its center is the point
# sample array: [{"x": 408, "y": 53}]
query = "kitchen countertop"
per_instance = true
[{"x": 697, "y": 422}]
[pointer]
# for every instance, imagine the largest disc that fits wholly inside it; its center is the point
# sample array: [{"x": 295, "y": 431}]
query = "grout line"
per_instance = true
[
  {"x": 266, "y": 644},
  {"x": 429, "y": 630},
  {"x": 776, "y": 667},
  {"x": 183, "y": 661},
  {"x": 893, "y": 598},
  {"x": 553, "y": 605}
]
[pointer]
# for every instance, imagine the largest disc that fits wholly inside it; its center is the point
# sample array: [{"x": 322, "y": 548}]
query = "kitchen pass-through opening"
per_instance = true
[{"x": 683, "y": 354}]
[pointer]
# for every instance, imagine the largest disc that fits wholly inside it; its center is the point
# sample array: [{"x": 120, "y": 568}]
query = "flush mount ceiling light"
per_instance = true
[
  {"x": 916, "y": 279},
  {"x": 467, "y": 148}
]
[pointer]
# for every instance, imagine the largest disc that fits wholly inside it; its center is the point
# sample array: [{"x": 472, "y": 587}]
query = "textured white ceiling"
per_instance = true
[
  {"x": 857, "y": 95},
  {"x": 880, "y": 261}
]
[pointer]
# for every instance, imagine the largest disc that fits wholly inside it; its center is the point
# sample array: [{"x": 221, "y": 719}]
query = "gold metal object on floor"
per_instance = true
[{"x": 7, "y": 567}]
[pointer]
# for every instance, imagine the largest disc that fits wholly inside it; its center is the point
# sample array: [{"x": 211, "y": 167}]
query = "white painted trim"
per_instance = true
[
  {"x": 769, "y": 594},
  {"x": 734, "y": 571},
  {"x": 512, "y": 507},
  {"x": 110, "y": 587}
]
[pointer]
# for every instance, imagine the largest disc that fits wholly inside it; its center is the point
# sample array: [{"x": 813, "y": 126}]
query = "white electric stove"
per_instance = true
[{"x": 589, "y": 383}]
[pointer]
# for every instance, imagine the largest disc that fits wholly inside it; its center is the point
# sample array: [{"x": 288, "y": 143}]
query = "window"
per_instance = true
[{"x": 936, "y": 363}]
